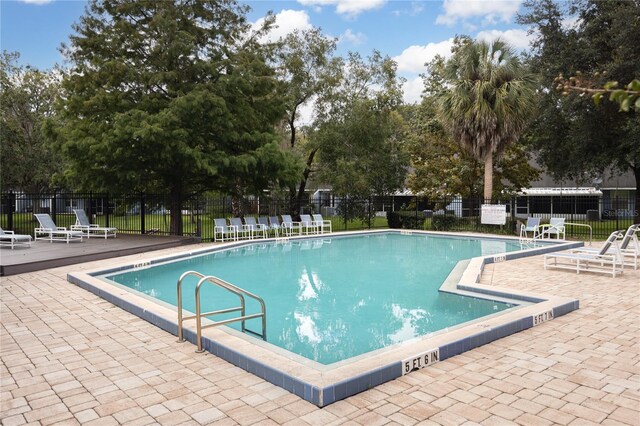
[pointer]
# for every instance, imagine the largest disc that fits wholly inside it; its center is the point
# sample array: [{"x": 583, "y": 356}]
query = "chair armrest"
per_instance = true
[
  {"x": 9, "y": 232},
  {"x": 60, "y": 228}
]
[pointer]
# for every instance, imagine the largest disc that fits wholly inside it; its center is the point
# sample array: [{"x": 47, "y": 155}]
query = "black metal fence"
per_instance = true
[{"x": 140, "y": 213}]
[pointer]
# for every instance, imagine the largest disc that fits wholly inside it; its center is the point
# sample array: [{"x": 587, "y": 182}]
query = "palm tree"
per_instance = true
[{"x": 487, "y": 101}]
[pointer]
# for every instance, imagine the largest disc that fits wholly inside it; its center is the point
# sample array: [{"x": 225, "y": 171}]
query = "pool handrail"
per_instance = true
[
  {"x": 585, "y": 225},
  {"x": 240, "y": 292}
]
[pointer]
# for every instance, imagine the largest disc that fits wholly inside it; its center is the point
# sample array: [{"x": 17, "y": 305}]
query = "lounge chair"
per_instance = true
[
  {"x": 222, "y": 230},
  {"x": 629, "y": 247},
  {"x": 288, "y": 225},
  {"x": 10, "y": 238},
  {"x": 256, "y": 228},
  {"x": 264, "y": 221},
  {"x": 308, "y": 224},
  {"x": 602, "y": 261},
  {"x": 555, "y": 227},
  {"x": 533, "y": 225},
  {"x": 274, "y": 223},
  {"x": 241, "y": 229},
  {"x": 321, "y": 223},
  {"x": 51, "y": 232},
  {"x": 91, "y": 229}
]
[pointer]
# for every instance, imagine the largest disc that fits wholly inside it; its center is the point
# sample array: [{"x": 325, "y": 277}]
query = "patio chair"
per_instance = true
[
  {"x": 256, "y": 228},
  {"x": 602, "y": 261},
  {"x": 10, "y": 238},
  {"x": 629, "y": 247},
  {"x": 288, "y": 225},
  {"x": 264, "y": 220},
  {"x": 274, "y": 223},
  {"x": 555, "y": 227},
  {"x": 91, "y": 229},
  {"x": 52, "y": 232},
  {"x": 532, "y": 225},
  {"x": 222, "y": 230},
  {"x": 308, "y": 224},
  {"x": 241, "y": 229},
  {"x": 321, "y": 223}
]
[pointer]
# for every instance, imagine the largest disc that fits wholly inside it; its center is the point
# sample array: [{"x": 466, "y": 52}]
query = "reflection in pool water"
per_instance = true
[{"x": 334, "y": 298}]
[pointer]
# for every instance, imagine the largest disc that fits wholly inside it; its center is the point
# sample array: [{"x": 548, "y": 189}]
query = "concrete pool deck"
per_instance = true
[
  {"x": 70, "y": 356},
  {"x": 44, "y": 254}
]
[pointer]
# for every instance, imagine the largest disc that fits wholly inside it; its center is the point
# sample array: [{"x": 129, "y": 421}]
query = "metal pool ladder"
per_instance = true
[{"x": 241, "y": 293}]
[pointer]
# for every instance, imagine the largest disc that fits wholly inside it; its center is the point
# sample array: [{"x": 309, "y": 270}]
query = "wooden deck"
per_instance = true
[{"x": 45, "y": 255}]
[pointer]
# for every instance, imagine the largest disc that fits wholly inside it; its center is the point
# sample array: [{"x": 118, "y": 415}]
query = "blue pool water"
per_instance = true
[{"x": 334, "y": 298}]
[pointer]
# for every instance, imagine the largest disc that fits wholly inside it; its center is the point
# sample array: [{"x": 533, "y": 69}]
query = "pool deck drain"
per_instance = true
[
  {"x": 326, "y": 384},
  {"x": 68, "y": 356}
]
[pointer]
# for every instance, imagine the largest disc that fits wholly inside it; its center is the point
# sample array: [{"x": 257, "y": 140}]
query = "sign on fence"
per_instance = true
[{"x": 493, "y": 214}]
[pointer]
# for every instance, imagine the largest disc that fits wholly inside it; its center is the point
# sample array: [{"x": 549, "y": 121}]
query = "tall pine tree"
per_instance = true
[{"x": 170, "y": 95}]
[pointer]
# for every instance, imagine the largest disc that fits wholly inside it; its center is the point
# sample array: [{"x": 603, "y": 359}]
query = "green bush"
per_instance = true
[
  {"x": 443, "y": 223},
  {"x": 411, "y": 222},
  {"x": 394, "y": 220}
]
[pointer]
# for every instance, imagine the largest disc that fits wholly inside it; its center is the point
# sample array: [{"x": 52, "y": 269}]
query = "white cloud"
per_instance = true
[
  {"x": 518, "y": 39},
  {"x": 490, "y": 10},
  {"x": 412, "y": 90},
  {"x": 349, "y": 36},
  {"x": 416, "y": 8},
  {"x": 413, "y": 58},
  {"x": 286, "y": 22},
  {"x": 346, "y": 8},
  {"x": 36, "y": 1}
]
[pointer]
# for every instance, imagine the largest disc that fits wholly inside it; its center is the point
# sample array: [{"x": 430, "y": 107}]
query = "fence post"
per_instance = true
[
  {"x": 369, "y": 214},
  {"x": 513, "y": 214},
  {"x": 53, "y": 205},
  {"x": 106, "y": 200},
  {"x": 90, "y": 209},
  {"x": 143, "y": 211},
  {"x": 11, "y": 206},
  {"x": 198, "y": 218},
  {"x": 615, "y": 209}
]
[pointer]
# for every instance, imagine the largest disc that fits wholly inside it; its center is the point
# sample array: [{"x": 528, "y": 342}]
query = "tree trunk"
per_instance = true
[
  {"x": 488, "y": 177},
  {"x": 175, "y": 201},
  {"x": 297, "y": 202}
]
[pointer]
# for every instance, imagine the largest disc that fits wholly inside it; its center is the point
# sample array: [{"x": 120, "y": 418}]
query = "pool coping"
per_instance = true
[{"x": 323, "y": 386}]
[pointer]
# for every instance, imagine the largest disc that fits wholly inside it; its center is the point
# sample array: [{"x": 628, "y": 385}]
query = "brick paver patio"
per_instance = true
[{"x": 70, "y": 357}]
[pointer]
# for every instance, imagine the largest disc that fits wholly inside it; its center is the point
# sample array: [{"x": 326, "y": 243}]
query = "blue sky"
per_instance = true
[{"x": 411, "y": 32}]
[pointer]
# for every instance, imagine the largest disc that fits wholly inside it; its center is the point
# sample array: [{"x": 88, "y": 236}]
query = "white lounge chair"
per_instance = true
[
  {"x": 91, "y": 229},
  {"x": 10, "y": 238},
  {"x": 264, "y": 220},
  {"x": 288, "y": 225},
  {"x": 532, "y": 225},
  {"x": 554, "y": 228},
  {"x": 629, "y": 247},
  {"x": 241, "y": 229},
  {"x": 274, "y": 223},
  {"x": 322, "y": 224},
  {"x": 603, "y": 261},
  {"x": 256, "y": 228},
  {"x": 49, "y": 231},
  {"x": 308, "y": 224},
  {"x": 222, "y": 230}
]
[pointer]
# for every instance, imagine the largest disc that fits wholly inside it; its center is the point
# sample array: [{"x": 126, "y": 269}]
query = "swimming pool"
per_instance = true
[
  {"x": 331, "y": 299},
  {"x": 323, "y": 384}
]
